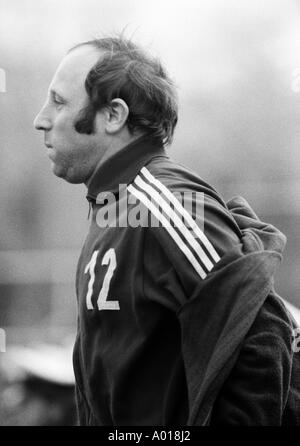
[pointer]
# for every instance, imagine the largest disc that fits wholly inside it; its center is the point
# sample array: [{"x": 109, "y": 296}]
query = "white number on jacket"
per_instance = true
[{"x": 109, "y": 259}]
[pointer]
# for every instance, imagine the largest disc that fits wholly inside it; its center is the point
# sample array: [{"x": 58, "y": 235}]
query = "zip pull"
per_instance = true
[{"x": 90, "y": 207}]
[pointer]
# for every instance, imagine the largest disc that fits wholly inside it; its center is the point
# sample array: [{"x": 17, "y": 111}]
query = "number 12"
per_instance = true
[{"x": 109, "y": 259}]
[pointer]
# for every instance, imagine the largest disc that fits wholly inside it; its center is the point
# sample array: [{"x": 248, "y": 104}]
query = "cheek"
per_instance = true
[
  {"x": 73, "y": 151},
  {"x": 63, "y": 126},
  {"x": 68, "y": 143},
  {"x": 69, "y": 137}
]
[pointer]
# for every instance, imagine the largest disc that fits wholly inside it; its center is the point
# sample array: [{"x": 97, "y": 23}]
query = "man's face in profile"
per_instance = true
[{"x": 73, "y": 155}]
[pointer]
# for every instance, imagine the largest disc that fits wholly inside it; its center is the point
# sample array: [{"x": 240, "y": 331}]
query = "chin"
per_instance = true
[
  {"x": 73, "y": 180},
  {"x": 58, "y": 171},
  {"x": 64, "y": 174}
]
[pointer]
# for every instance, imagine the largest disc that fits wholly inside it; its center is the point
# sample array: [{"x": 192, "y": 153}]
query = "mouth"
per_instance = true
[{"x": 50, "y": 151}]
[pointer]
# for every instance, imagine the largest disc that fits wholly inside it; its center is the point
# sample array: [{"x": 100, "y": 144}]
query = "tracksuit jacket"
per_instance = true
[{"x": 178, "y": 320}]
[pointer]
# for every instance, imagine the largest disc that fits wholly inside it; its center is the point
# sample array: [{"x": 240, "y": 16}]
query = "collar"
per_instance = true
[{"x": 122, "y": 167}]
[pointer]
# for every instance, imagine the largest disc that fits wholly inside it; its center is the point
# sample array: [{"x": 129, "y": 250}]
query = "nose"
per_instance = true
[{"x": 42, "y": 120}]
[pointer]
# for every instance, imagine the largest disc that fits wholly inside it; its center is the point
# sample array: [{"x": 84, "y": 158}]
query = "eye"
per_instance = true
[{"x": 57, "y": 99}]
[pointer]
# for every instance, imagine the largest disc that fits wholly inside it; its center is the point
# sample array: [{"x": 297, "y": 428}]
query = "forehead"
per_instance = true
[{"x": 71, "y": 73}]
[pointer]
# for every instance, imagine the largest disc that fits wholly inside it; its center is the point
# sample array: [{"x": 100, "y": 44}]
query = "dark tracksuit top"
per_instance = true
[{"x": 166, "y": 302}]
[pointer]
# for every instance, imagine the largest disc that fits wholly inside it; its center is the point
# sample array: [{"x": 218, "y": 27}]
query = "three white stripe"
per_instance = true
[
  {"x": 186, "y": 233},
  {"x": 189, "y": 220}
]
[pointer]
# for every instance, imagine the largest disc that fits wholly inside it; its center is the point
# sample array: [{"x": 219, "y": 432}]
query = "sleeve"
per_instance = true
[
  {"x": 256, "y": 391},
  {"x": 183, "y": 245}
]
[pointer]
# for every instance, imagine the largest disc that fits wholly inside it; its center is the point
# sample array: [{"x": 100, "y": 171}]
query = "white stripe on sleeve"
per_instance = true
[
  {"x": 177, "y": 221},
  {"x": 182, "y": 246},
  {"x": 200, "y": 234}
]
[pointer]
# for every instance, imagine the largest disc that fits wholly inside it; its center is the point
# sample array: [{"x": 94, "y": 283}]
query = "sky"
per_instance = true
[{"x": 212, "y": 30}]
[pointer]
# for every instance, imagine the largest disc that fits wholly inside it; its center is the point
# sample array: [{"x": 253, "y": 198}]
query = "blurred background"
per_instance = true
[{"x": 237, "y": 66}]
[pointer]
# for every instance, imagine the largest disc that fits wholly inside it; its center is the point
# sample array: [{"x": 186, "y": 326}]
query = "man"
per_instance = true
[{"x": 178, "y": 320}]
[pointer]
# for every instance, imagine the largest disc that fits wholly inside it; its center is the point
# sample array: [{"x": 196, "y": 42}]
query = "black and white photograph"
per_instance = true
[{"x": 150, "y": 215}]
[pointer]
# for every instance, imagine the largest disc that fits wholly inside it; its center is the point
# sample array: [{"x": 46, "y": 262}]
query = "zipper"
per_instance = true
[
  {"x": 90, "y": 199},
  {"x": 90, "y": 207}
]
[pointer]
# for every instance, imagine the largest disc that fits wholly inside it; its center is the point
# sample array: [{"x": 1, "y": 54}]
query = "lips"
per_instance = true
[{"x": 50, "y": 151}]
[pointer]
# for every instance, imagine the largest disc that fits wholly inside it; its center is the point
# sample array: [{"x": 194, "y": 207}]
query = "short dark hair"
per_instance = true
[{"x": 125, "y": 71}]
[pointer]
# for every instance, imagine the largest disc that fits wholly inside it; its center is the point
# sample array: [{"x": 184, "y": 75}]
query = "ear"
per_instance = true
[{"x": 116, "y": 115}]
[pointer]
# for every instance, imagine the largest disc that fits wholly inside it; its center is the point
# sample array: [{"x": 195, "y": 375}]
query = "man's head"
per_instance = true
[{"x": 104, "y": 94}]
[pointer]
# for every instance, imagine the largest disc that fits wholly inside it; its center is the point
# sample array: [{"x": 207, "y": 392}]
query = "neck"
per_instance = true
[{"x": 113, "y": 147}]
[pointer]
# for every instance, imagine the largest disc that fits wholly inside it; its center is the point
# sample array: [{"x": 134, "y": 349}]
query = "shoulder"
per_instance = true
[
  {"x": 189, "y": 222},
  {"x": 180, "y": 178},
  {"x": 181, "y": 199}
]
